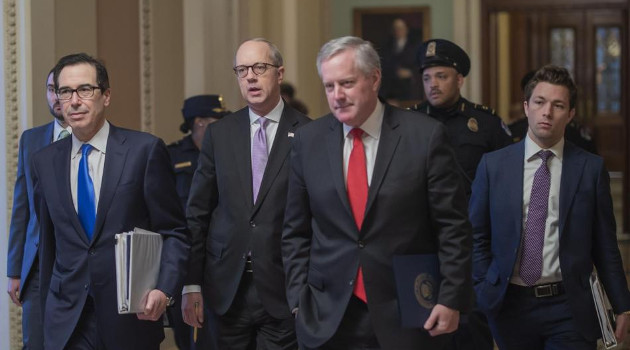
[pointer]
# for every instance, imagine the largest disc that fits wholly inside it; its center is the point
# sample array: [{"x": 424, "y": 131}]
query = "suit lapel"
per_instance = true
[
  {"x": 386, "y": 146},
  {"x": 572, "y": 169},
  {"x": 512, "y": 165},
  {"x": 115, "y": 156},
  {"x": 279, "y": 152},
  {"x": 243, "y": 154},
  {"x": 61, "y": 165},
  {"x": 48, "y": 137},
  {"x": 334, "y": 143}
]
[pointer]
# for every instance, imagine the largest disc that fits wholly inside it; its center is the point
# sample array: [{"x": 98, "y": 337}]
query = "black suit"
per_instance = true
[
  {"x": 137, "y": 190},
  {"x": 416, "y": 205},
  {"x": 225, "y": 223}
]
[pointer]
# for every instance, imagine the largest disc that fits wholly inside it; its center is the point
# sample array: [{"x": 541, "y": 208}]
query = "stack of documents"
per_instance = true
[
  {"x": 604, "y": 313},
  {"x": 138, "y": 255}
]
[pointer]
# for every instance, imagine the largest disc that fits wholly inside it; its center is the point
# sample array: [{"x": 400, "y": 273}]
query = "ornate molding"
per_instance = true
[
  {"x": 11, "y": 112},
  {"x": 147, "y": 117}
]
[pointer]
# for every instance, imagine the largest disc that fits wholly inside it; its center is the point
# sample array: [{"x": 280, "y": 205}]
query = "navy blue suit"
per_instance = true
[
  {"x": 24, "y": 235},
  {"x": 138, "y": 190},
  {"x": 586, "y": 227}
]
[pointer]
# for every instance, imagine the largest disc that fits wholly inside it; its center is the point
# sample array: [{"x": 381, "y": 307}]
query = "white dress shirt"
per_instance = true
[
  {"x": 96, "y": 162},
  {"x": 551, "y": 248},
  {"x": 273, "y": 118}
]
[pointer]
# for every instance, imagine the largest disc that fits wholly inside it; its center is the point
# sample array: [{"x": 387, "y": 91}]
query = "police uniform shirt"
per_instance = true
[
  {"x": 472, "y": 129},
  {"x": 184, "y": 155}
]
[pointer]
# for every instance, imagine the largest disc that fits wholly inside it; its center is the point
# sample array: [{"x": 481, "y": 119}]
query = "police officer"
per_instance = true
[
  {"x": 473, "y": 129},
  {"x": 198, "y": 112}
]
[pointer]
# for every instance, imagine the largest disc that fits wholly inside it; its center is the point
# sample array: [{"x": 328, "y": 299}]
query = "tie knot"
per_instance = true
[
  {"x": 85, "y": 149},
  {"x": 63, "y": 134},
  {"x": 545, "y": 155},
  {"x": 263, "y": 122},
  {"x": 356, "y": 133}
]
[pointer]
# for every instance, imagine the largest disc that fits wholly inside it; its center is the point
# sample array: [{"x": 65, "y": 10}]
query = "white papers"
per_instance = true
[
  {"x": 138, "y": 255},
  {"x": 604, "y": 312}
]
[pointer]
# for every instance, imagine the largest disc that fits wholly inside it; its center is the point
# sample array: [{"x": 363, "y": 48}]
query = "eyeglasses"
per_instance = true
[
  {"x": 258, "y": 68},
  {"x": 83, "y": 91}
]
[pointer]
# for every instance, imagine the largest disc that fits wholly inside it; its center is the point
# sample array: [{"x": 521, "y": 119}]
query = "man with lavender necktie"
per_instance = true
[
  {"x": 236, "y": 210},
  {"x": 542, "y": 219}
]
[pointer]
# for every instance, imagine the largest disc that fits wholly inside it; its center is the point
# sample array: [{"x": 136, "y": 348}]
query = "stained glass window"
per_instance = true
[{"x": 608, "y": 69}]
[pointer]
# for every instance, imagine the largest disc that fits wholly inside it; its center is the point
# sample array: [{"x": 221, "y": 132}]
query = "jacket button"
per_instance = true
[
  {"x": 361, "y": 244},
  {"x": 86, "y": 286},
  {"x": 92, "y": 252},
  {"x": 252, "y": 224}
]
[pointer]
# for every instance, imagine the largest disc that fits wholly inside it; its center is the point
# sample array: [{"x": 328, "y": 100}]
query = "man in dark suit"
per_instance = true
[
  {"x": 236, "y": 209},
  {"x": 349, "y": 213},
  {"x": 542, "y": 218},
  {"x": 101, "y": 181},
  {"x": 22, "y": 261}
]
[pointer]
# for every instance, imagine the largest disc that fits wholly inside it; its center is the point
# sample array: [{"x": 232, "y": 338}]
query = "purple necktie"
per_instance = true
[
  {"x": 259, "y": 156},
  {"x": 533, "y": 241}
]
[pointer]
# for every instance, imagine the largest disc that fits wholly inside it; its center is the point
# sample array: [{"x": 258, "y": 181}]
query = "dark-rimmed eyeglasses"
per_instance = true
[
  {"x": 83, "y": 91},
  {"x": 258, "y": 68}
]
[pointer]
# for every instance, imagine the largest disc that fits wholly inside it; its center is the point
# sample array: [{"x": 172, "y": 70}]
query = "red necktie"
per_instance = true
[{"x": 357, "y": 194}]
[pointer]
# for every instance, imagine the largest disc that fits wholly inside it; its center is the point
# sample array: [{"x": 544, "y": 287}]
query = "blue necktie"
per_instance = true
[{"x": 85, "y": 193}]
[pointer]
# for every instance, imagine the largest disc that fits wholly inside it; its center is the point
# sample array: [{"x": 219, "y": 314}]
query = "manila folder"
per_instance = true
[{"x": 138, "y": 255}]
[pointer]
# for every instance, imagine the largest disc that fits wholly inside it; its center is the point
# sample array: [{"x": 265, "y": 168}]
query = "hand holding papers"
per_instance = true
[
  {"x": 138, "y": 255},
  {"x": 604, "y": 313}
]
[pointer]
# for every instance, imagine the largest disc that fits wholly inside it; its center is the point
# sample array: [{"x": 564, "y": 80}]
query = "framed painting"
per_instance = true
[{"x": 396, "y": 33}]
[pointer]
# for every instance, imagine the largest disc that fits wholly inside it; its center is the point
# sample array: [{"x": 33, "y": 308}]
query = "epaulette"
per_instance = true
[{"x": 482, "y": 108}]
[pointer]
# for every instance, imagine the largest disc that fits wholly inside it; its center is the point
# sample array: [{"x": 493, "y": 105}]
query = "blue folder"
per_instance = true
[{"x": 417, "y": 284}]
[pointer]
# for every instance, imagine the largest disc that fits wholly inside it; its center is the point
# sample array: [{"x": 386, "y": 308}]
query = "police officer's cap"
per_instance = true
[
  {"x": 205, "y": 106},
  {"x": 441, "y": 52}
]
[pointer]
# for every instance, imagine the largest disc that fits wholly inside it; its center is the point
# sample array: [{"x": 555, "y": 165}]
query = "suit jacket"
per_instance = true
[
  {"x": 24, "y": 231},
  {"x": 138, "y": 190},
  {"x": 224, "y": 221},
  {"x": 586, "y": 225},
  {"x": 416, "y": 205}
]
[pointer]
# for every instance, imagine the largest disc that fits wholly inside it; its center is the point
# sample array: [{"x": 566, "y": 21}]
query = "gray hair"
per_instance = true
[
  {"x": 275, "y": 55},
  {"x": 366, "y": 57}
]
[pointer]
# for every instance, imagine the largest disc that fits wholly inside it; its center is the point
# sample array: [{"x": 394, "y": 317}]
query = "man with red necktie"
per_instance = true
[{"x": 370, "y": 181}]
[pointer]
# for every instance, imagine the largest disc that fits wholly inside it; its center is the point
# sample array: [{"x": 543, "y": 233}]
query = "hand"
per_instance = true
[
  {"x": 14, "y": 290},
  {"x": 442, "y": 320},
  {"x": 155, "y": 306},
  {"x": 192, "y": 309},
  {"x": 622, "y": 327}
]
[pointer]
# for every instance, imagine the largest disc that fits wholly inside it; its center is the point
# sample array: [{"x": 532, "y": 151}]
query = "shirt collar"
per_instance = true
[
  {"x": 531, "y": 148},
  {"x": 372, "y": 126},
  {"x": 99, "y": 141},
  {"x": 274, "y": 115}
]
